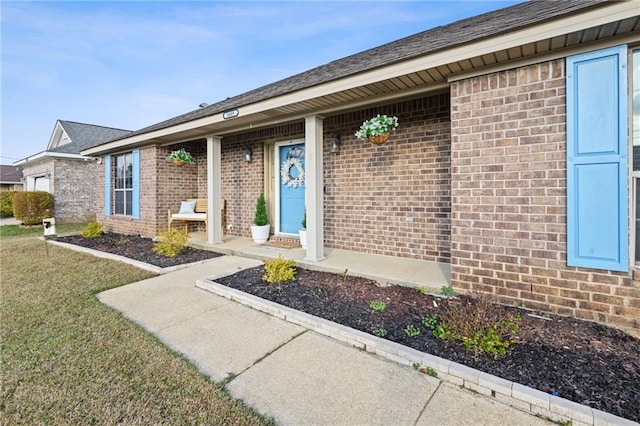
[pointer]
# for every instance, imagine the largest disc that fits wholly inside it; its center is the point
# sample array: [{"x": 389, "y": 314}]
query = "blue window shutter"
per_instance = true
[
  {"x": 597, "y": 174},
  {"x": 135, "y": 199},
  {"x": 107, "y": 185}
]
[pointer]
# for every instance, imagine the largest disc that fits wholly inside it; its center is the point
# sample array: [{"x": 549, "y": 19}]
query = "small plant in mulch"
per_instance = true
[
  {"x": 279, "y": 270},
  {"x": 430, "y": 322},
  {"x": 122, "y": 242},
  {"x": 378, "y": 305},
  {"x": 411, "y": 330},
  {"x": 379, "y": 332},
  {"x": 448, "y": 291},
  {"x": 478, "y": 325},
  {"x": 92, "y": 230},
  {"x": 171, "y": 243}
]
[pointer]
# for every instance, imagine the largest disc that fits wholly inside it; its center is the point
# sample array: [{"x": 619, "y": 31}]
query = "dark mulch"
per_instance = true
[
  {"x": 578, "y": 360},
  {"x": 138, "y": 248},
  {"x": 582, "y": 361}
]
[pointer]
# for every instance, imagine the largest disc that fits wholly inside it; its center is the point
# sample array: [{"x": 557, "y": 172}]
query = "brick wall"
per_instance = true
[
  {"x": 73, "y": 192},
  {"x": 148, "y": 223},
  {"x": 242, "y": 182},
  {"x": 71, "y": 186},
  {"x": 370, "y": 191},
  {"x": 391, "y": 199},
  {"x": 508, "y": 229}
]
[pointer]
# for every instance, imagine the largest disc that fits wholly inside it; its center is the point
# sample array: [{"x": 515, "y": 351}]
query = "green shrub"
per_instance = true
[
  {"x": 279, "y": 270},
  {"x": 92, "y": 230},
  {"x": 260, "y": 218},
  {"x": 479, "y": 325},
  {"x": 30, "y": 207},
  {"x": 6, "y": 203},
  {"x": 171, "y": 243}
]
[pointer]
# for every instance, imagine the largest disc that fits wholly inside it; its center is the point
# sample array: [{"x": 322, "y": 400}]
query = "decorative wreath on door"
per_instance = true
[{"x": 285, "y": 172}]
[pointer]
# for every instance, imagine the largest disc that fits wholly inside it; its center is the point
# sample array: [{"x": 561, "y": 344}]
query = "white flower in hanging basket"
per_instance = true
[
  {"x": 377, "y": 126},
  {"x": 182, "y": 156},
  {"x": 285, "y": 172}
]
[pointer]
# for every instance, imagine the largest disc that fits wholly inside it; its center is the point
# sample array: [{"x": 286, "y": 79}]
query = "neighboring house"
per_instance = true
[
  {"x": 510, "y": 166},
  {"x": 10, "y": 178},
  {"x": 65, "y": 173}
]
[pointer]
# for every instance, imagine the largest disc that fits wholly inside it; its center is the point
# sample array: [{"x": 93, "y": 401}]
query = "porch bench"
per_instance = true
[{"x": 199, "y": 214}]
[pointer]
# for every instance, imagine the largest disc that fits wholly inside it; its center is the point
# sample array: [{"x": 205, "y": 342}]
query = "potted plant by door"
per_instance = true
[
  {"x": 260, "y": 228},
  {"x": 303, "y": 231}
]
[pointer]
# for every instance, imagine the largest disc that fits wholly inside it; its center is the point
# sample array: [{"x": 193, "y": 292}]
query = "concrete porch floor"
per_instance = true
[{"x": 384, "y": 269}]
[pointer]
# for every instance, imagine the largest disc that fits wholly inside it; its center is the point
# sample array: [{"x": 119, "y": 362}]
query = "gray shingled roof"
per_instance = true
[
  {"x": 471, "y": 29},
  {"x": 10, "y": 174},
  {"x": 85, "y": 136}
]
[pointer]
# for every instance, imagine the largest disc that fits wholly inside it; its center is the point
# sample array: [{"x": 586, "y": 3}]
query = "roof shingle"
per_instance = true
[
  {"x": 85, "y": 136},
  {"x": 471, "y": 29},
  {"x": 10, "y": 174}
]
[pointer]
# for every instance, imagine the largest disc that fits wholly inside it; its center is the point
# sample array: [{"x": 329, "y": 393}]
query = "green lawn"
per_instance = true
[
  {"x": 19, "y": 231},
  {"x": 68, "y": 359}
]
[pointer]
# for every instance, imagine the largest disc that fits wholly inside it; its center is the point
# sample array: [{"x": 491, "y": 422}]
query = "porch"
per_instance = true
[{"x": 384, "y": 269}]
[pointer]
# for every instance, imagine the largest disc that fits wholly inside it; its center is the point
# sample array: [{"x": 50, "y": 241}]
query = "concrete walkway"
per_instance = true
[
  {"x": 383, "y": 269},
  {"x": 291, "y": 373}
]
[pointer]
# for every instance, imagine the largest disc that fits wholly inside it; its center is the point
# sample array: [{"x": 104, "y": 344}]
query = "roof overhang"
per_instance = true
[
  {"x": 608, "y": 24},
  {"x": 48, "y": 155}
]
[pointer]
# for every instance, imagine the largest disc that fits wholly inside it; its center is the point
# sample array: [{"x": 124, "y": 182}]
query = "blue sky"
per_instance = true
[{"x": 132, "y": 64}]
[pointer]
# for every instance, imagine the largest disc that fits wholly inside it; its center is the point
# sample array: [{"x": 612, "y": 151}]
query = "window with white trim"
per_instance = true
[{"x": 123, "y": 187}]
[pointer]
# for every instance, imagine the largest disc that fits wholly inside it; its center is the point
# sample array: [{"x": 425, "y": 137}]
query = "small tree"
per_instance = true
[
  {"x": 260, "y": 218},
  {"x": 6, "y": 203},
  {"x": 30, "y": 207}
]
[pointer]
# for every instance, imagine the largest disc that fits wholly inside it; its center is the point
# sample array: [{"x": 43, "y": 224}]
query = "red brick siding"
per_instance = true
[
  {"x": 242, "y": 182},
  {"x": 508, "y": 229},
  {"x": 371, "y": 190}
]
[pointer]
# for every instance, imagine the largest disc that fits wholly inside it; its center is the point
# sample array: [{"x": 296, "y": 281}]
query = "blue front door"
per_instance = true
[{"x": 292, "y": 183}]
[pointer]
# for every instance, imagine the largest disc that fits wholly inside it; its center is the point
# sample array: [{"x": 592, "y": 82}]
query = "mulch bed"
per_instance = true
[
  {"x": 578, "y": 360},
  {"x": 138, "y": 248}
]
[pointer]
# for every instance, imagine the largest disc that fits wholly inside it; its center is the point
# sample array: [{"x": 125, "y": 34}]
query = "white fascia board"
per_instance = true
[
  {"x": 56, "y": 135},
  {"x": 46, "y": 155},
  {"x": 611, "y": 12}
]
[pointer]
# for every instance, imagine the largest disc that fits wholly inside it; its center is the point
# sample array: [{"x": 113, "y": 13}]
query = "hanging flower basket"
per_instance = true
[
  {"x": 379, "y": 139},
  {"x": 180, "y": 157},
  {"x": 377, "y": 129}
]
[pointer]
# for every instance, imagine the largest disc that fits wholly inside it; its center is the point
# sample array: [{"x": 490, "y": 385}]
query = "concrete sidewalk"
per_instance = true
[
  {"x": 9, "y": 221},
  {"x": 289, "y": 372}
]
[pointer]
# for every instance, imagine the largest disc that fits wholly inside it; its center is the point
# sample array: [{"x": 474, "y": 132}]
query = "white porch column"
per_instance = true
[
  {"x": 314, "y": 194},
  {"x": 214, "y": 189}
]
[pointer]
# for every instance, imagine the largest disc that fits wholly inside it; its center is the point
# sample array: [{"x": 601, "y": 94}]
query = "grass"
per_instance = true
[
  {"x": 68, "y": 359},
  {"x": 18, "y": 231}
]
